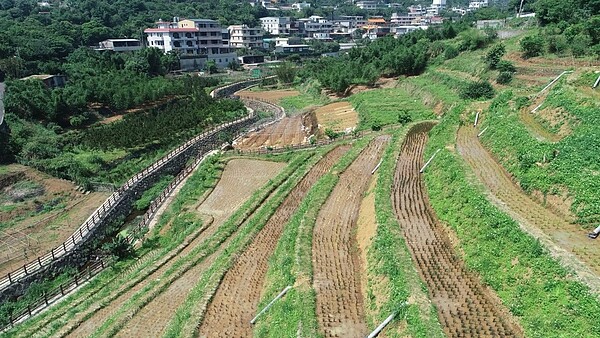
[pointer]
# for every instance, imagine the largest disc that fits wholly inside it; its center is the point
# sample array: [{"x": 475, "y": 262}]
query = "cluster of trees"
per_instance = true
[
  {"x": 390, "y": 57},
  {"x": 568, "y": 27}
]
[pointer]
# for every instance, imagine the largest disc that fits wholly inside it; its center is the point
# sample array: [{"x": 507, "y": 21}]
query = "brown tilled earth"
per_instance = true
[
  {"x": 337, "y": 116},
  {"x": 240, "y": 179},
  {"x": 287, "y": 131},
  {"x": 565, "y": 241},
  {"x": 236, "y": 300},
  {"x": 336, "y": 262},
  {"x": 38, "y": 234},
  {"x": 269, "y": 95},
  {"x": 466, "y": 308}
]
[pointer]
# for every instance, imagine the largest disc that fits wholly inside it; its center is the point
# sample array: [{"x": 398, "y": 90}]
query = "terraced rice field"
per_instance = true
[
  {"x": 565, "y": 240},
  {"x": 338, "y": 116},
  {"x": 288, "y": 131},
  {"x": 337, "y": 280},
  {"x": 236, "y": 300},
  {"x": 465, "y": 307}
]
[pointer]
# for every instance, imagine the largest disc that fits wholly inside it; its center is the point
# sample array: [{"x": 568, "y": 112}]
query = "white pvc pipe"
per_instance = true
[
  {"x": 382, "y": 325},
  {"x": 431, "y": 159},
  {"x": 556, "y": 79},
  {"x": 597, "y": 82},
  {"x": 270, "y": 304},
  {"x": 476, "y": 119},
  {"x": 483, "y": 131},
  {"x": 376, "y": 167},
  {"x": 536, "y": 108}
]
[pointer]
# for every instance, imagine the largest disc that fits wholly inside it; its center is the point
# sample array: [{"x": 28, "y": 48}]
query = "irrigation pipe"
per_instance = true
[
  {"x": 385, "y": 323},
  {"x": 270, "y": 304},
  {"x": 596, "y": 83},
  {"x": 476, "y": 119},
  {"x": 536, "y": 108},
  {"x": 431, "y": 159},
  {"x": 553, "y": 81},
  {"x": 483, "y": 131},
  {"x": 376, "y": 167}
]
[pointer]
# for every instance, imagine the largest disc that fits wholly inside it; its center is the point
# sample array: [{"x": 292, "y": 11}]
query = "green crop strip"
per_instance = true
[
  {"x": 534, "y": 287},
  {"x": 389, "y": 260},
  {"x": 291, "y": 263},
  {"x": 112, "y": 325},
  {"x": 190, "y": 313}
]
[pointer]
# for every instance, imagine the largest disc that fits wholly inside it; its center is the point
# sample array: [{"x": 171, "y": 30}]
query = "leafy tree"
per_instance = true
[
  {"x": 211, "y": 67},
  {"x": 404, "y": 117},
  {"x": 504, "y": 77},
  {"x": 506, "y": 66},
  {"x": 532, "y": 45},
  {"x": 494, "y": 55},
  {"x": 450, "y": 52},
  {"x": 286, "y": 72},
  {"x": 580, "y": 45},
  {"x": 477, "y": 89}
]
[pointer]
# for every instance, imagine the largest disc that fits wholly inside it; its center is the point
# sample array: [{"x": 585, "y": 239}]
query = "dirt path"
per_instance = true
[
  {"x": 236, "y": 300},
  {"x": 240, "y": 179},
  {"x": 286, "y": 132},
  {"x": 566, "y": 241},
  {"x": 465, "y": 307},
  {"x": 269, "y": 95},
  {"x": 337, "y": 279}
]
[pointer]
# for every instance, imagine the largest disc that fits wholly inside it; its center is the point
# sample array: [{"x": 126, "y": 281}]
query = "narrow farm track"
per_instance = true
[
  {"x": 236, "y": 300},
  {"x": 336, "y": 263},
  {"x": 566, "y": 241},
  {"x": 466, "y": 308},
  {"x": 239, "y": 181}
]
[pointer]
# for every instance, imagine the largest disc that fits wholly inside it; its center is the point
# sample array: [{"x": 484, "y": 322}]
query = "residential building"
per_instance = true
[
  {"x": 251, "y": 59},
  {"x": 315, "y": 27},
  {"x": 196, "y": 40},
  {"x": 368, "y": 5},
  {"x": 300, "y": 6},
  {"x": 292, "y": 49},
  {"x": 242, "y": 36},
  {"x": 473, "y": 5},
  {"x": 401, "y": 30},
  {"x": 400, "y": 20},
  {"x": 120, "y": 45},
  {"x": 347, "y": 24},
  {"x": 276, "y": 25}
]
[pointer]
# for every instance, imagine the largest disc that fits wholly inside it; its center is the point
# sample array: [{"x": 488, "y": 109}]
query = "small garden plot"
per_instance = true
[{"x": 338, "y": 116}]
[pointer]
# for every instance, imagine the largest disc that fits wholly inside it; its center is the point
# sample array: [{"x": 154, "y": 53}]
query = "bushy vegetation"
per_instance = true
[
  {"x": 545, "y": 166},
  {"x": 477, "y": 90},
  {"x": 535, "y": 288}
]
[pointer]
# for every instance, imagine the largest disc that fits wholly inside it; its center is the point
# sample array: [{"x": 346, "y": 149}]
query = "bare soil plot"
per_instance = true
[
  {"x": 236, "y": 300},
  {"x": 240, "y": 179},
  {"x": 465, "y": 307},
  {"x": 336, "y": 262},
  {"x": 270, "y": 95},
  {"x": 338, "y": 116},
  {"x": 50, "y": 209},
  {"x": 565, "y": 241},
  {"x": 286, "y": 132}
]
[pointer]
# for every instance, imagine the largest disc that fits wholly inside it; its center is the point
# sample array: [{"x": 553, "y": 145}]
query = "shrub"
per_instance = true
[
  {"x": 506, "y": 66},
  {"x": 404, "y": 117},
  {"x": 477, "y": 89},
  {"x": 580, "y": 44},
  {"x": 450, "y": 52},
  {"x": 532, "y": 45},
  {"x": 504, "y": 77},
  {"x": 557, "y": 44},
  {"x": 376, "y": 126},
  {"x": 494, "y": 55}
]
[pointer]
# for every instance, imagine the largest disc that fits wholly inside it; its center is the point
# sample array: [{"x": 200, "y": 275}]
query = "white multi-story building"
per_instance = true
[
  {"x": 300, "y": 6},
  {"x": 120, "y": 45},
  {"x": 315, "y": 27},
  {"x": 242, "y": 36},
  {"x": 349, "y": 23},
  {"x": 478, "y": 4},
  {"x": 368, "y": 5},
  {"x": 196, "y": 40},
  {"x": 276, "y": 25}
]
